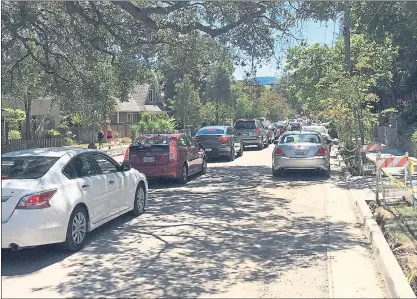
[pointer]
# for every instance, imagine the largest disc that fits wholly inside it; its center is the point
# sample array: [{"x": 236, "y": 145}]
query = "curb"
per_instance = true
[{"x": 394, "y": 277}]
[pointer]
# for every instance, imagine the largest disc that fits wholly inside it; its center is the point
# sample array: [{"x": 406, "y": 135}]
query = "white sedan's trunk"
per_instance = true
[{"x": 12, "y": 191}]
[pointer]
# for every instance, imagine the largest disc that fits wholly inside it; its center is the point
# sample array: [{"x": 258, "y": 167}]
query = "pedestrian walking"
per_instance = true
[
  {"x": 100, "y": 137},
  {"x": 109, "y": 134}
]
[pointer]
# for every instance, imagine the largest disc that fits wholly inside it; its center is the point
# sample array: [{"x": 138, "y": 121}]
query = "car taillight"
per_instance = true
[
  {"x": 126, "y": 157},
  {"x": 223, "y": 139},
  {"x": 278, "y": 152},
  {"x": 258, "y": 131},
  {"x": 173, "y": 151},
  {"x": 36, "y": 201},
  {"x": 322, "y": 151}
]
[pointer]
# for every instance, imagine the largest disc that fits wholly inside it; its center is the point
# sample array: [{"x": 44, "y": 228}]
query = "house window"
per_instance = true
[
  {"x": 136, "y": 117},
  {"x": 130, "y": 118},
  {"x": 151, "y": 95}
]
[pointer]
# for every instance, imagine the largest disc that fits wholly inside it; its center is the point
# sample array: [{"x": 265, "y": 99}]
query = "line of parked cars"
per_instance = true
[{"x": 59, "y": 195}]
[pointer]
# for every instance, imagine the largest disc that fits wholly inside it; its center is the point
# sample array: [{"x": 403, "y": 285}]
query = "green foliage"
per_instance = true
[
  {"x": 259, "y": 101},
  {"x": 152, "y": 124},
  {"x": 76, "y": 120},
  {"x": 15, "y": 117},
  {"x": 14, "y": 134},
  {"x": 315, "y": 80},
  {"x": 187, "y": 103},
  {"x": 414, "y": 136},
  {"x": 68, "y": 141},
  {"x": 52, "y": 133}
]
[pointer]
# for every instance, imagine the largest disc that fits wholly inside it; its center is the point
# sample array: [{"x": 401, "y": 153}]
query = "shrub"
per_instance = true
[
  {"x": 52, "y": 133},
  {"x": 414, "y": 136},
  {"x": 68, "y": 141},
  {"x": 14, "y": 134}
]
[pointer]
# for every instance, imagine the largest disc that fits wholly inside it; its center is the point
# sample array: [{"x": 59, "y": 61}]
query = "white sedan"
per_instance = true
[{"x": 55, "y": 195}]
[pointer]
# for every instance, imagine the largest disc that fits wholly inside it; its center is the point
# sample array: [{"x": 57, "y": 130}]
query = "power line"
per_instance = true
[{"x": 375, "y": 14}]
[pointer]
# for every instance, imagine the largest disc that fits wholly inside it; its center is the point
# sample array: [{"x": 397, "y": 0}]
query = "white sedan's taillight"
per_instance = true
[{"x": 38, "y": 200}]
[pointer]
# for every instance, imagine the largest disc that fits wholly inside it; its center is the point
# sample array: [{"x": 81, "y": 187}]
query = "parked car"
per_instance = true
[
  {"x": 252, "y": 132},
  {"x": 273, "y": 132},
  {"x": 322, "y": 130},
  {"x": 220, "y": 141},
  {"x": 294, "y": 125},
  {"x": 55, "y": 195},
  {"x": 175, "y": 156},
  {"x": 301, "y": 150},
  {"x": 282, "y": 126}
]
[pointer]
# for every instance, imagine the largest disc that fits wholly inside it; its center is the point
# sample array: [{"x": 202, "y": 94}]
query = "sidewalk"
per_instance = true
[{"x": 116, "y": 150}]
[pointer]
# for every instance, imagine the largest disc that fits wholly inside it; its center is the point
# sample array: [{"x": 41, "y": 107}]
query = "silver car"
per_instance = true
[{"x": 301, "y": 150}]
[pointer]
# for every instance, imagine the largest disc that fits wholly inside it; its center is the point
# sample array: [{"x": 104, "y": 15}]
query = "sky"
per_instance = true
[{"x": 312, "y": 32}]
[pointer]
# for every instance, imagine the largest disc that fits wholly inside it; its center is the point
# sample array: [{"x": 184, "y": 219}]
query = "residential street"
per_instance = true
[{"x": 234, "y": 232}]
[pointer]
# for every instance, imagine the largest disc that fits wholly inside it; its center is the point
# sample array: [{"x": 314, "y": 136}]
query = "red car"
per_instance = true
[{"x": 175, "y": 156}]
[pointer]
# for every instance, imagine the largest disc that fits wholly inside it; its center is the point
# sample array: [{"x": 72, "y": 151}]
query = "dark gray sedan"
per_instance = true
[{"x": 220, "y": 141}]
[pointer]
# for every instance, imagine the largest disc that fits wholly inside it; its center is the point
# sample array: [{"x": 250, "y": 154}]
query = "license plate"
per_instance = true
[
  {"x": 299, "y": 153},
  {"x": 148, "y": 159},
  {"x": 208, "y": 149}
]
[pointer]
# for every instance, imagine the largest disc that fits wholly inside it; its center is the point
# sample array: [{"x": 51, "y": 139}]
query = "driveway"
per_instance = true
[{"x": 234, "y": 232}]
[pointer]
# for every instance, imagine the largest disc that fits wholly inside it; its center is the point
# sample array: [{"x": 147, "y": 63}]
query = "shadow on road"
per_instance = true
[{"x": 218, "y": 230}]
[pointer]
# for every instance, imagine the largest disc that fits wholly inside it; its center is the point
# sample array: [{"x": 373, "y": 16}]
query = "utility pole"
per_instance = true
[{"x": 348, "y": 69}]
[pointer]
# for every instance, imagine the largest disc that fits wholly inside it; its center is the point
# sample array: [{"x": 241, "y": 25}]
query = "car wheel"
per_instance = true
[
  {"x": 184, "y": 175},
  {"x": 266, "y": 144},
  {"x": 276, "y": 173},
  {"x": 261, "y": 145},
  {"x": 240, "y": 152},
  {"x": 232, "y": 155},
  {"x": 204, "y": 167},
  {"x": 140, "y": 201},
  {"x": 326, "y": 173},
  {"x": 76, "y": 230}
]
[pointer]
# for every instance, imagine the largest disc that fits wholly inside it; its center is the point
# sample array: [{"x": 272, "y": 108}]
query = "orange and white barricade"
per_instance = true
[
  {"x": 372, "y": 147},
  {"x": 395, "y": 188}
]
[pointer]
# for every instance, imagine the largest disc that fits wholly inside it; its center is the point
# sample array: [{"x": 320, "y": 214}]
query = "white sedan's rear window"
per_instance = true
[{"x": 26, "y": 167}]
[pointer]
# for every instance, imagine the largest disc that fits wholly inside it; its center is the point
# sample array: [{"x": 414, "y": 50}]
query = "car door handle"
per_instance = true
[
  {"x": 85, "y": 186},
  {"x": 111, "y": 182}
]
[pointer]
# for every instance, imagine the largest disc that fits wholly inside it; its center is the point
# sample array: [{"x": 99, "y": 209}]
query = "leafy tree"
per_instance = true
[
  {"x": 15, "y": 117},
  {"x": 152, "y": 124},
  {"x": 187, "y": 103}
]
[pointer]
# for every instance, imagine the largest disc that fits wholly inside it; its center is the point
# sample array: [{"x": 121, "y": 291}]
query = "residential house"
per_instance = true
[
  {"x": 146, "y": 98},
  {"x": 44, "y": 114}
]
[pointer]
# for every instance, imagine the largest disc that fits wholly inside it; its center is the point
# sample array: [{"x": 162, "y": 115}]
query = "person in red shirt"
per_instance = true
[{"x": 109, "y": 134}]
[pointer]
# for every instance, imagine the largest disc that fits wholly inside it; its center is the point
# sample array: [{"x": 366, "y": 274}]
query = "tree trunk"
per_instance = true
[{"x": 28, "y": 108}]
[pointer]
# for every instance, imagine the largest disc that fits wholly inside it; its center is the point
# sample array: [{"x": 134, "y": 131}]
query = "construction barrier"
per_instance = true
[
  {"x": 372, "y": 147},
  {"x": 397, "y": 188}
]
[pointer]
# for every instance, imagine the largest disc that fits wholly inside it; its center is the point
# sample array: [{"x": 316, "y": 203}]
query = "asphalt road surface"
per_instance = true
[{"x": 234, "y": 232}]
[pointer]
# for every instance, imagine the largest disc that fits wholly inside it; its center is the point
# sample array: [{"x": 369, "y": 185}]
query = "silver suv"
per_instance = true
[{"x": 252, "y": 132}]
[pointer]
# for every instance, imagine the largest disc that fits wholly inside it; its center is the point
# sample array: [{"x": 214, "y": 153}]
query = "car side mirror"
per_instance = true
[
  {"x": 328, "y": 141},
  {"x": 125, "y": 166}
]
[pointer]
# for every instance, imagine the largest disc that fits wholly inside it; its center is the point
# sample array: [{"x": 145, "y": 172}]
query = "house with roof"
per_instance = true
[
  {"x": 143, "y": 98},
  {"x": 44, "y": 113}
]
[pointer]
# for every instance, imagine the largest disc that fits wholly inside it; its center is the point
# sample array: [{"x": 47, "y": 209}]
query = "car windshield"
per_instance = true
[
  {"x": 319, "y": 129},
  {"x": 210, "y": 131},
  {"x": 295, "y": 138},
  {"x": 250, "y": 124},
  {"x": 26, "y": 167}
]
